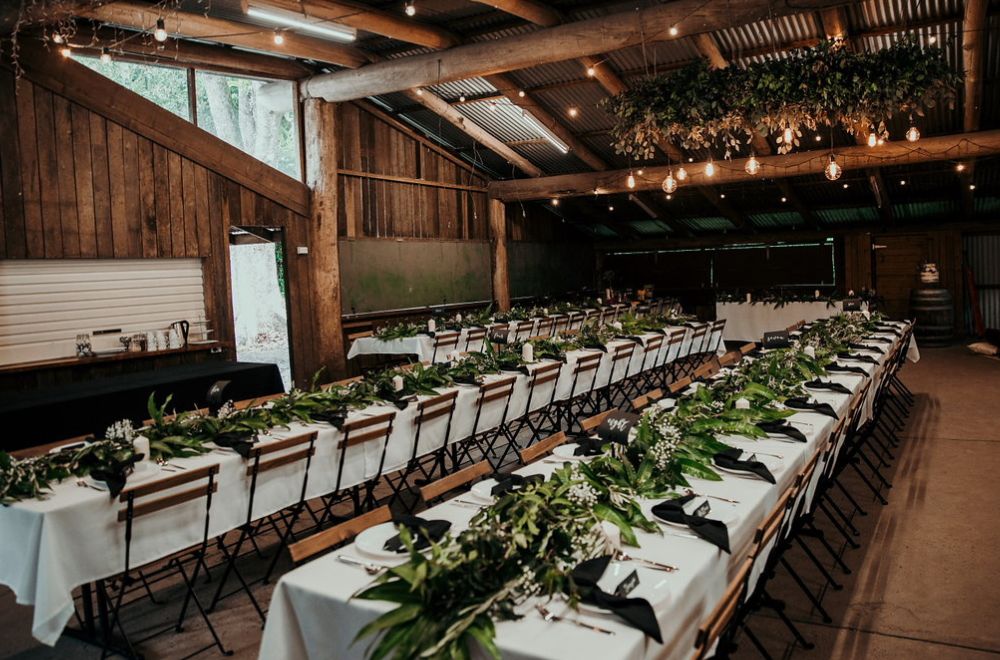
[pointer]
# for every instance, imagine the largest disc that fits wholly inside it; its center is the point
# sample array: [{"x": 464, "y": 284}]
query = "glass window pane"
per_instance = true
[
  {"x": 263, "y": 125},
  {"x": 164, "y": 86}
]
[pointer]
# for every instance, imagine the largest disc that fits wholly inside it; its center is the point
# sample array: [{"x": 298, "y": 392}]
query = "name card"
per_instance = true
[
  {"x": 852, "y": 304},
  {"x": 776, "y": 339},
  {"x": 498, "y": 336},
  {"x": 616, "y": 426},
  {"x": 628, "y": 585},
  {"x": 703, "y": 509}
]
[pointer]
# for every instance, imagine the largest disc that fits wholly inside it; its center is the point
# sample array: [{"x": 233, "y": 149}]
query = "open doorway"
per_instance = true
[{"x": 260, "y": 299}]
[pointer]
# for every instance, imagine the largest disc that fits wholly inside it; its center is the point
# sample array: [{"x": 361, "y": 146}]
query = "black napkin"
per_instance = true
[
  {"x": 799, "y": 403},
  {"x": 878, "y": 340},
  {"x": 713, "y": 531},
  {"x": 637, "y": 612},
  {"x": 730, "y": 460},
  {"x": 616, "y": 426},
  {"x": 866, "y": 348},
  {"x": 847, "y": 355},
  {"x": 846, "y": 369},
  {"x": 587, "y": 446},
  {"x": 424, "y": 532},
  {"x": 818, "y": 384},
  {"x": 784, "y": 429},
  {"x": 333, "y": 417},
  {"x": 512, "y": 482},
  {"x": 115, "y": 473},
  {"x": 239, "y": 441}
]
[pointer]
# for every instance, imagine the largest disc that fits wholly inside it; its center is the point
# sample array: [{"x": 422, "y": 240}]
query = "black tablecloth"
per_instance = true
[{"x": 66, "y": 411}]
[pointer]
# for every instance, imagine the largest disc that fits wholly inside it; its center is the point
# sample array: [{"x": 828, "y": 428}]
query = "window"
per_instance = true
[
  {"x": 232, "y": 108},
  {"x": 164, "y": 86},
  {"x": 263, "y": 125}
]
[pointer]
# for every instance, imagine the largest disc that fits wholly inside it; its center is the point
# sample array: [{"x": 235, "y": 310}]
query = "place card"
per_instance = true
[
  {"x": 776, "y": 339},
  {"x": 852, "y": 304},
  {"x": 616, "y": 426},
  {"x": 703, "y": 509},
  {"x": 628, "y": 585}
]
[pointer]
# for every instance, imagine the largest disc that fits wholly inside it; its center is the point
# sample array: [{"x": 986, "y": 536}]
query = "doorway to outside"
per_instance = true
[{"x": 260, "y": 300}]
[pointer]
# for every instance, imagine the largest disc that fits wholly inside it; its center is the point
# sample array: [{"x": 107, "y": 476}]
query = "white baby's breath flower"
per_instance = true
[
  {"x": 120, "y": 430},
  {"x": 226, "y": 410}
]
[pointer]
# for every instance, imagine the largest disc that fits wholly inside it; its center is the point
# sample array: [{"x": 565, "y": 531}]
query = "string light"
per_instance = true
[
  {"x": 410, "y": 9},
  {"x": 972, "y": 186},
  {"x": 722, "y": 195},
  {"x": 872, "y": 139},
  {"x": 784, "y": 199},
  {"x": 846, "y": 186},
  {"x": 611, "y": 207},
  {"x": 640, "y": 172},
  {"x": 461, "y": 98},
  {"x": 913, "y": 134},
  {"x": 105, "y": 55},
  {"x": 420, "y": 92},
  {"x": 160, "y": 33},
  {"x": 669, "y": 197},
  {"x": 630, "y": 181},
  {"x": 682, "y": 174},
  {"x": 819, "y": 138},
  {"x": 278, "y": 38},
  {"x": 520, "y": 93},
  {"x": 881, "y": 141},
  {"x": 674, "y": 31},
  {"x": 555, "y": 201},
  {"x": 788, "y": 136},
  {"x": 573, "y": 112},
  {"x": 591, "y": 71},
  {"x": 65, "y": 51},
  {"x": 57, "y": 37},
  {"x": 960, "y": 167},
  {"x": 670, "y": 183},
  {"x": 710, "y": 168},
  {"x": 833, "y": 170},
  {"x": 932, "y": 40},
  {"x": 752, "y": 165},
  {"x": 902, "y": 182}
]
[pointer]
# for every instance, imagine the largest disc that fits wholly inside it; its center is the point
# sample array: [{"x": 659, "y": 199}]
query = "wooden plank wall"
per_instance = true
[
  {"x": 74, "y": 183},
  {"x": 395, "y": 186}
]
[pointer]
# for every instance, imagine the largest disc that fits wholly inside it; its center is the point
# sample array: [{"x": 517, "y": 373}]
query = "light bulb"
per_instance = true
[
  {"x": 670, "y": 183},
  {"x": 784, "y": 199},
  {"x": 682, "y": 174},
  {"x": 902, "y": 182},
  {"x": 160, "y": 33},
  {"x": 932, "y": 40},
  {"x": 630, "y": 181},
  {"x": 105, "y": 55},
  {"x": 57, "y": 37},
  {"x": 872, "y": 139},
  {"x": 709, "y": 168},
  {"x": 960, "y": 167},
  {"x": 846, "y": 186},
  {"x": 722, "y": 195},
  {"x": 555, "y": 201},
  {"x": 819, "y": 138},
  {"x": 881, "y": 141},
  {"x": 752, "y": 165},
  {"x": 520, "y": 93},
  {"x": 640, "y": 172},
  {"x": 972, "y": 186},
  {"x": 65, "y": 51},
  {"x": 673, "y": 30},
  {"x": 278, "y": 38},
  {"x": 573, "y": 112},
  {"x": 411, "y": 9},
  {"x": 611, "y": 208},
  {"x": 670, "y": 197},
  {"x": 591, "y": 71},
  {"x": 788, "y": 136},
  {"x": 833, "y": 169},
  {"x": 461, "y": 98},
  {"x": 420, "y": 92},
  {"x": 913, "y": 134}
]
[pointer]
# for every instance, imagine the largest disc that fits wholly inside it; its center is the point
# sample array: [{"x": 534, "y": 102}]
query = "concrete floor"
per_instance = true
[{"x": 924, "y": 583}]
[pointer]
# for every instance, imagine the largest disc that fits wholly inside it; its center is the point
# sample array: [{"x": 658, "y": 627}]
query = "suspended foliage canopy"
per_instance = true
[{"x": 814, "y": 87}]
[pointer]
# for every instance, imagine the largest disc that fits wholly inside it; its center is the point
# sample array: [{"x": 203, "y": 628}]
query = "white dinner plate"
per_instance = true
[
  {"x": 653, "y": 585},
  {"x": 566, "y": 452},
  {"x": 724, "y": 512},
  {"x": 372, "y": 540},
  {"x": 666, "y": 403},
  {"x": 143, "y": 471},
  {"x": 770, "y": 462}
]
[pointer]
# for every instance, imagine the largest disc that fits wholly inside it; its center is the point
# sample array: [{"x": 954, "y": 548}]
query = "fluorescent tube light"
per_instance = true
[{"x": 288, "y": 19}]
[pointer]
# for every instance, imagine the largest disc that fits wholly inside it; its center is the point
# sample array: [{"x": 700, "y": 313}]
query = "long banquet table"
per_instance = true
[
  {"x": 72, "y": 537},
  {"x": 312, "y": 614},
  {"x": 749, "y": 321}
]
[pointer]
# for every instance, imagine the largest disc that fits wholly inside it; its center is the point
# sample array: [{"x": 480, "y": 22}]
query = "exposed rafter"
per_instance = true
[
  {"x": 533, "y": 12},
  {"x": 363, "y": 17},
  {"x": 136, "y": 16},
  {"x": 554, "y": 44},
  {"x": 973, "y": 38},
  {"x": 939, "y": 148}
]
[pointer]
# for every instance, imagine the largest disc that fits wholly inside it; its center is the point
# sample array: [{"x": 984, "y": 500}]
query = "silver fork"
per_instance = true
[
  {"x": 370, "y": 568},
  {"x": 714, "y": 497},
  {"x": 648, "y": 563},
  {"x": 550, "y": 617},
  {"x": 84, "y": 484}
]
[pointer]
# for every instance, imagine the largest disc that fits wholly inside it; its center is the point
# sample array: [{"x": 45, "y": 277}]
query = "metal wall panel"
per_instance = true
[{"x": 982, "y": 254}]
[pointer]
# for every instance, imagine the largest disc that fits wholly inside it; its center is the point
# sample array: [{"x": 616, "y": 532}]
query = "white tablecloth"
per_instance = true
[
  {"x": 312, "y": 615},
  {"x": 749, "y": 321}
]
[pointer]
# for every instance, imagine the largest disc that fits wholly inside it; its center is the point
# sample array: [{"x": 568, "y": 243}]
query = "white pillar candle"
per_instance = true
[
  {"x": 545, "y": 311},
  {"x": 850, "y": 293},
  {"x": 817, "y": 294},
  {"x": 528, "y": 352},
  {"x": 397, "y": 383},
  {"x": 600, "y": 302},
  {"x": 458, "y": 317},
  {"x": 431, "y": 325},
  {"x": 742, "y": 404},
  {"x": 749, "y": 297},
  {"x": 140, "y": 445},
  {"x": 810, "y": 351}
]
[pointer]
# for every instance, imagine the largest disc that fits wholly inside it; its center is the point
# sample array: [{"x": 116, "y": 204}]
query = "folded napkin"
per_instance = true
[
  {"x": 782, "y": 428},
  {"x": 843, "y": 368},
  {"x": 865, "y": 347},
  {"x": 333, "y": 417},
  {"x": 818, "y": 384},
  {"x": 847, "y": 355},
  {"x": 616, "y": 426},
  {"x": 730, "y": 460},
  {"x": 889, "y": 328},
  {"x": 239, "y": 441},
  {"x": 514, "y": 482},
  {"x": 115, "y": 473},
  {"x": 713, "y": 531},
  {"x": 423, "y": 532},
  {"x": 637, "y": 612},
  {"x": 587, "y": 446},
  {"x": 799, "y": 403},
  {"x": 878, "y": 340}
]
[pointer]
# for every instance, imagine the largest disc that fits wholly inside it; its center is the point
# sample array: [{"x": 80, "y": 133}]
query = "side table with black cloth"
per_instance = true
[{"x": 65, "y": 411}]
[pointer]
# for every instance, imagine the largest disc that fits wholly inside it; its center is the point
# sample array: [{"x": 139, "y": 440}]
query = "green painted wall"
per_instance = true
[{"x": 538, "y": 269}]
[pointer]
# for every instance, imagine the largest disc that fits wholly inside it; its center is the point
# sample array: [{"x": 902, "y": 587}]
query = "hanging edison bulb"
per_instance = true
[
  {"x": 788, "y": 136},
  {"x": 833, "y": 169},
  {"x": 670, "y": 183},
  {"x": 682, "y": 174},
  {"x": 710, "y": 168},
  {"x": 105, "y": 55},
  {"x": 872, "y": 139},
  {"x": 913, "y": 134},
  {"x": 752, "y": 165},
  {"x": 160, "y": 34},
  {"x": 630, "y": 181}
]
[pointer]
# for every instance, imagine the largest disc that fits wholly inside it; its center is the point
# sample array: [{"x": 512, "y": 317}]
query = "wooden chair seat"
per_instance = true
[
  {"x": 329, "y": 538},
  {"x": 541, "y": 448}
]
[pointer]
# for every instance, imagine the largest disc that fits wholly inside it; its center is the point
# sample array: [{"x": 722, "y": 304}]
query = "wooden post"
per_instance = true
[
  {"x": 320, "y": 119},
  {"x": 498, "y": 254}
]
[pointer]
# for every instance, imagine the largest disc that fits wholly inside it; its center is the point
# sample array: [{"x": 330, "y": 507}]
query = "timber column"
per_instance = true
[
  {"x": 498, "y": 254},
  {"x": 320, "y": 123}
]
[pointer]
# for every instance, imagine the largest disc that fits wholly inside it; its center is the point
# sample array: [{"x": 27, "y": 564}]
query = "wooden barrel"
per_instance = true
[{"x": 935, "y": 314}]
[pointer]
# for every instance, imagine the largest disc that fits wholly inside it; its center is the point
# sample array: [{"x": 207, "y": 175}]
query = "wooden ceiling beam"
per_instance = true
[
  {"x": 800, "y": 163},
  {"x": 554, "y": 44},
  {"x": 789, "y": 193},
  {"x": 440, "y": 107},
  {"x": 142, "y": 18},
  {"x": 363, "y": 17},
  {"x": 973, "y": 39},
  {"x": 534, "y": 12}
]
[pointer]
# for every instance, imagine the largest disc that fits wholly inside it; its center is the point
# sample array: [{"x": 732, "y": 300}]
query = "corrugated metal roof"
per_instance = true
[
  {"x": 880, "y": 13},
  {"x": 989, "y": 204},
  {"x": 708, "y": 223},
  {"x": 845, "y": 216},
  {"x": 923, "y": 210},
  {"x": 781, "y": 219},
  {"x": 550, "y": 159},
  {"x": 649, "y": 227},
  {"x": 585, "y": 98},
  {"x": 737, "y": 40},
  {"x": 467, "y": 87}
]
